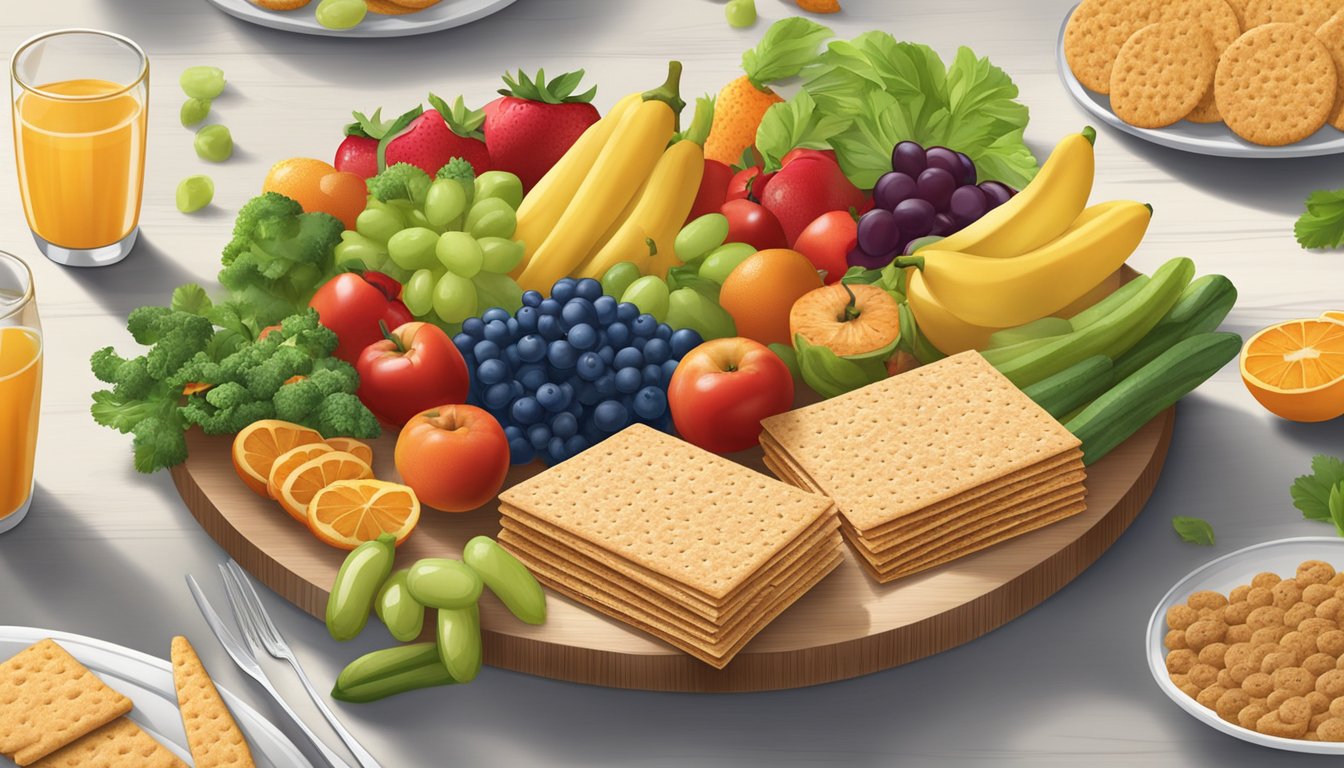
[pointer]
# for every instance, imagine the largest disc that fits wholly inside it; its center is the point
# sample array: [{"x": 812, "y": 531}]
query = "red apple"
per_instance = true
[
  {"x": 723, "y": 388},
  {"x": 805, "y": 189}
]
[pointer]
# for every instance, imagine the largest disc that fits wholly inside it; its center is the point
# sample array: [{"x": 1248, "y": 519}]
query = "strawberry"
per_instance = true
[
  {"x": 438, "y": 135},
  {"x": 536, "y": 123},
  {"x": 358, "y": 153}
]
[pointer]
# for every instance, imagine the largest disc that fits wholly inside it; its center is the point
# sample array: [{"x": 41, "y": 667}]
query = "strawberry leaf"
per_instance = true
[
  {"x": 391, "y": 131},
  {"x": 374, "y": 127},
  {"x": 461, "y": 120},
  {"x": 560, "y": 90}
]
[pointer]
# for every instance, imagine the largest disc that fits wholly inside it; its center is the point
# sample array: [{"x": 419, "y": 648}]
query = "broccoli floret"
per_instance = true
[
  {"x": 230, "y": 394},
  {"x": 459, "y": 170},
  {"x": 334, "y": 375},
  {"x": 299, "y": 401},
  {"x": 225, "y": 421},
  {"x": 343, "y": 415},
  {"x": 159, "y": 443},
  {"x": 175, "y": 337},
  {"x": 400, "y": 181}
]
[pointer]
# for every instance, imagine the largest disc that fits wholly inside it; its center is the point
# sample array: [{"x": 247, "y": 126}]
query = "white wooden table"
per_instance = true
[{"x": 104, "y": 549}]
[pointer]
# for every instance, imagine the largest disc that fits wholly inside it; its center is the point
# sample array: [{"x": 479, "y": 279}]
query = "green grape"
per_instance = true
[
  {"x": 650, "y": 294},
  {"x": 379, "y": 224},
  {"x": 202, "y": 82},
  {"x": 502, "y": 185},
  {"x": 454, "y": 298},
  {"x": 723, "y": 260},
  {"x": 214, "y": 143},
  {"x": 194, "y": 193},
  {"x": 417, "y": 218},
  {"x": 341, "y": 14},
  {"x": 740, "y": 13},
  {"x": 403, "y": 206},
  {"x": 355, "y": 248},
  {"x": 418, "y": 295},
  {"x": 619, "y": 277},
  {"x": 496, "y": 290},
  {"x": 413, "y": 248},
  {"x": 393, "y": 271},
  {"x": 444, "y": 202},
  {"x": 500, "y": 254},
  {"x": 460, "y": 253},
  {"x": 194, "y": 111},
  {"x": 491, "y": 217},
  {"x": 698, "y": 238}
]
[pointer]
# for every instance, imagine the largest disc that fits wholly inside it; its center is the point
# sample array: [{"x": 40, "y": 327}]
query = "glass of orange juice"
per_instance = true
[
  {"x": 20, "y": 388},
  {"x": 79, "y": 98}
]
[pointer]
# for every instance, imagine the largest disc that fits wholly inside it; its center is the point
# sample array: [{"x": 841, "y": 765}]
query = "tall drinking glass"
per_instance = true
[
  {"x": 79, "y": 98},
  {"x": 20, "y": 388}
]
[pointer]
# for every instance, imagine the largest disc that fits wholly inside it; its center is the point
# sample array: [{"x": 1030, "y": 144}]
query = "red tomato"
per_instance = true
[
  {"x": 748, "y": 184},
  {"x": 415, "y": 368},
  {"x": 749, "y": 222},
  {"x": 713, "y": 190},
  {"x": 353, "y": 304},
  {"x": 454, "y": 457},
  {"x": 794, "y": 154},
  {"x": 723, "y": 388},
  {"x": 827, "y": 241}
]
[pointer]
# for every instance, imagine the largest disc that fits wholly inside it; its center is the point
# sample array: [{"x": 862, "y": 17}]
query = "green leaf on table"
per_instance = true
[
  {"x": 1193, "y": 530},
  {"x": 1322, "y": 225},
  {"x": 1311, "y": 493}
]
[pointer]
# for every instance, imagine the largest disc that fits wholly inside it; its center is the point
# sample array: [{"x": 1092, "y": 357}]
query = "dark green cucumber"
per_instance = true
[
  {"x": 1069, "y": 389},
  {"x": 1202, "y": 306},
  {"x": 1119, "y": 413}
]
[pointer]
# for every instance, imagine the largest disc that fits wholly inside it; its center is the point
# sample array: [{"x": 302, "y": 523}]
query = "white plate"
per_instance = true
[
  {"x": 1225, "y": 573},
  {"x": 1199, "y": 138},
  {"x": 445, "y": 15},
  {"x": 148, "y": 682}
]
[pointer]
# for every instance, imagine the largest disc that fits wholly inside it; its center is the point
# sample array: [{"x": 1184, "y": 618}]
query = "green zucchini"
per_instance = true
[
  {"x": 1202, "y": 306},
  {"x": 1036, "y": 329},
  {"x": 1069, "y": 389},
  {"x": 1119, "y": 413},
  {"x": 1109, "y": 304}
]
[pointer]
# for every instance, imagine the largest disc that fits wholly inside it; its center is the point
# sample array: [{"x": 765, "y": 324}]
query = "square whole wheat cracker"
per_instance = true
[
  {"x": 927, "y": 435},
  {"x": 215, "y": 739},
  {"x": 118, "y": 744},
  {"x": 527, "y": 544},
  {"x": 695, "y": 518},
  {"x": 48, "y": 700}
]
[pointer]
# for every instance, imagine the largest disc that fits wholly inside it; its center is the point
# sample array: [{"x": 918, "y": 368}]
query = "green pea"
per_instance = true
[
  {"x": 355, "y": 248},
  {"x": 491, "y": 217},
  {"x": 723, "y": 260},
  {"x": 357, "y": 583},
  {"x": 502, "y": 185},
  {"x": 619, "y": 277},
  {"x": 402, "y": 616},
  {"x": 194, "y": 111},
  {"x": 413, "y": 248},
  {"x": 202, "y": 82},
  {"x": 442, "y": 583},
  {"x": 341, "y": 14},
  {"x": 444, "y": 202},
  {"x": 512, "y": 583},
  {"x": 379, "y": 224},
  {"x": 214, "y": 143},
  {"x": 500, "y": 254},
  {"x": 391, "y": 671},
  {"x": 740, "y": 13},
  {"x": 459, "y": 253},
  {"x": 460, "y": 642},
  {"x": 649, "y": 293},
  {"x": 194, "y": 193},
  {"x": 697, "y": 239}
]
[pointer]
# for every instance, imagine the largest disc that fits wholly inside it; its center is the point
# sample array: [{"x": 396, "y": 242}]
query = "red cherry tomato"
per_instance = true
[
  {"x": 748, "y": 184},
  {"x": 713, "y": 190},
  {"x": 723, "y": 388},
  {"x": 794, "y": 154},
  {"x": 353, "y": 304},
  {"x": 415, "y": 368},
  {"x": 749, "y": 222},
  {"x": 827, "y": 241},
  {"x": 454, "y": 457}
]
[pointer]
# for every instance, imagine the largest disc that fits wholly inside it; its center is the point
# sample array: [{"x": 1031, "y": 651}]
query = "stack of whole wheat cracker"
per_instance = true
[
  {"x": 690, "y": 547},
  {"x": 931, "y": 465}
]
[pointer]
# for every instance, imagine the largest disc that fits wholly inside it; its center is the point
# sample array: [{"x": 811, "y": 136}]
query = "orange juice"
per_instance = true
[
  {"x": 20, "y": 396},
  {"x": 81, "y": 161}
]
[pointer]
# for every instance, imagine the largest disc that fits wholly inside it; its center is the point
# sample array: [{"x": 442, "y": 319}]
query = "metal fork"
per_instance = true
[
  {"x": 260, "y": 630},
  {"x": 246, "y": 661}
]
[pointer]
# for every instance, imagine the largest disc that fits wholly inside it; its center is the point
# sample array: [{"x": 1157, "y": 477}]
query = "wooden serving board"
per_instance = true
[{"x": 847, "y": 626}]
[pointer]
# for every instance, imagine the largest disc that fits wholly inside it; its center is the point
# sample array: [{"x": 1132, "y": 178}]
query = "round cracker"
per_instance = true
[
  {"x": 1161, "y": 73},
  {"x": 418, "y": 5},
  {"x": 1220, "y": 21},
  {"x": 1332, "y": 34},
  {"x": 280, "y": 5},
  {"x": 1096, "y": 31},
  {"x": 1276, "y": 84},
  {"x": 1309, "y": 13},
  {"x": 389, "y": 8}
]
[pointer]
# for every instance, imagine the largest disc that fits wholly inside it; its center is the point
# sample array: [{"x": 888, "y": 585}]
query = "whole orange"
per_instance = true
[
  {"x": 318, "y": 186},
  {"x": 760, "y": 292}
]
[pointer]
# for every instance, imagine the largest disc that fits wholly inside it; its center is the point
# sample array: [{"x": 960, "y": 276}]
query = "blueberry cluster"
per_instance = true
[{"x": 566, "y": 371}]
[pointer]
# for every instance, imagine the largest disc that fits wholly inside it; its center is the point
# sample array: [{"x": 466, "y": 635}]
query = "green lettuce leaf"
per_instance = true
[{"x": 793, "y": 124}]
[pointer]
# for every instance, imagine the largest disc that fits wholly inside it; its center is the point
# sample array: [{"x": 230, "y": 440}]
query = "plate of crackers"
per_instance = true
[
  {"x": 1232, "y": 78},
  {"x": 68, "y": 701},
  {"x": 1252, "y": 644},
  {"x": 386, "y": 18}
]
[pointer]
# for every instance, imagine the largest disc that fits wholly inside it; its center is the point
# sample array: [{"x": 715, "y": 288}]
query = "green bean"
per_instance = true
[
  {"x": 193, "y": 111},
  {"x": 491, "y": 217},
  {"x": 460, "y": 642},
  {"x": 194, "y": 193},
  {"x": 445, "y": 201},
  {"x": 202, "y": 82},
  {"x": 442, "y": 583},
  {"x": 214, "y": 143},
  {"x": 357, "y": 583},
  {"x": 501, "y": 185},
  {"x": 391, "y": 671},
  {"x": 698, "y": 238},
  {"x": 459, "y": 253},
  {"x": 512, "y": 583},
  {"x": 402, "y": 616}
]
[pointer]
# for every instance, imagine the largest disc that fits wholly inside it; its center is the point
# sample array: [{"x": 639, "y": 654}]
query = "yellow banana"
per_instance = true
[
  {"x": 658, "y": 215},
  {"x": 944, "y": 330},
  {"x": 1040, "y": 212},
  {"x": 1009, "y": 292},
  {"x": 628, "y": 157}
]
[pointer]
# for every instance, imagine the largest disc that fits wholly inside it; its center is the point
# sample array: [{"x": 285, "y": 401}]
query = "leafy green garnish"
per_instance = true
[
  {"x": 1322, "y": 225},
  {"x": 1311, "y": 493},
  {"x": 785, "y": 49},
  {"x": 1337, "y": 507},
  {"x": 1193, "y": 530},
  {"x": 793, "y": 124}
]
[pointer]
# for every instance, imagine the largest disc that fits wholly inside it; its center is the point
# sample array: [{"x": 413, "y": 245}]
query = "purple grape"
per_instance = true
[
  {"x": 996, "y": 193},
  {"x": 878, "y": 233},
  {"x": 936, "y": 185},
  {"x": 914, "y": 217},
  {"x": 858, "y": 258},
  {"x": 908, "y": 157},
  {"x": 967, "y": 204},
  {"x": 944, "y": 225},
  {"x": 967, "y": 168},
  {"x": 942, "y": 157},
  {"x": 892, "y": 188}
]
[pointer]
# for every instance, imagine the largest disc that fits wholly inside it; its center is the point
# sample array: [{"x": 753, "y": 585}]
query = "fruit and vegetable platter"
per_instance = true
[{"x": 721, "y": 395}]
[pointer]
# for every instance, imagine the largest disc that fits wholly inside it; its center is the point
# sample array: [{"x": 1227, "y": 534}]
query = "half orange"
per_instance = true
[
  {"x": 291, "y": 460},
  {"x": 1334, "y": 315},
  {"x": 313, "y": 475},
  {"x": 351, "y": 445},
  {"x": 1296, "y": 369},
  {"x": 256, "y": 448},
  {"x": 348, "y": 513}
]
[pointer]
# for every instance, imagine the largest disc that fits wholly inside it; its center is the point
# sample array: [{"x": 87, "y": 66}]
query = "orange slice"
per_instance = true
[
  {"x": 260, "y": 443},
  {"x": 291, "y": 460},
  {"x": 348, "y": 513},
  {"x": 1296, "y": 369},
  {"x": 1334, "y": 315},
  {"x": 313, "y": 475},
  {"x": 351, "y": 445}
]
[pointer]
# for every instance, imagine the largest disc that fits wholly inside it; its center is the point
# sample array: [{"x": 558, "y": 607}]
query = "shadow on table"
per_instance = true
[{"x": 147, "y": 276}]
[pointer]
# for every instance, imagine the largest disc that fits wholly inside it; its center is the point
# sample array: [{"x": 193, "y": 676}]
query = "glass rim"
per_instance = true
[
  {"x": 27, "y": 297},
  {"x": 35, "y": 39}
]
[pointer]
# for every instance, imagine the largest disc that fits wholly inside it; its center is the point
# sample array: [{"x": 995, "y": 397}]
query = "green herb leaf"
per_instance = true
[
  {"x": 1322, "y": 225},
  {"x": 1337, "y": 507},
  {"x": 1311, "y": 493},
  {"x": 792, "y": 124},
  {"x": 191, "y": 298},
  {"x": 785, "y": 49},
  {"x": 1193, "y": 530}
]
